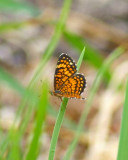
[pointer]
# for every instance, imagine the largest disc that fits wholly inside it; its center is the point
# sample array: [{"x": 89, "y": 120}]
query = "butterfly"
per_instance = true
[{"x": 68, "y": 83}]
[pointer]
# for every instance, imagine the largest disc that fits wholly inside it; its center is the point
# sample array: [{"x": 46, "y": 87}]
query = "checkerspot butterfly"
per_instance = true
[{"x": 68, "y": 83}]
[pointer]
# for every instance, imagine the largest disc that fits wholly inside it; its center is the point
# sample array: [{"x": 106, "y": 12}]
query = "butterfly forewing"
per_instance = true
[{"x": 65, "y": 69}]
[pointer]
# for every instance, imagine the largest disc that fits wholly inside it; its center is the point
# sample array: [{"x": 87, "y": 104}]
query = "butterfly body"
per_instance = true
[{"x": 68, "y": 83}]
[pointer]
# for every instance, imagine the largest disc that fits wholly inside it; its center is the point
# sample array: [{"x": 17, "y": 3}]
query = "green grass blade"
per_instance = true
[
  {"x": 13, "y": 83},
  {"x": 94, "y": 88},
  {"x": 80, "y": 59},
  {"x": 57, "y": 128},
  {"x": 123, "y": 143},
  {"x": 7, "y": 26},
  {"x": 16, "y": 151},
  {"x": 14, "y": 6},
  {"x": 34, "y": 146},
  {"x": 78, "y": 43},
  {"x": 66, "y": 122},
  {"x": 5, "y": 77},
  {"x": 92, "y": 55},
  {"x": 60, "y": 118},
  {"x": 41, "y": 114}
]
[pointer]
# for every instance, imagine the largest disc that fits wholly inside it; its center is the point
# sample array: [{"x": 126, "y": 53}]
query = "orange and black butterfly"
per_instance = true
[{"x": 68, "y": 83}]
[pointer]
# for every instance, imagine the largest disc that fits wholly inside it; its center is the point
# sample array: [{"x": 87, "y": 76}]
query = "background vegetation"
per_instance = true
[{"x": 32, "y": 36}]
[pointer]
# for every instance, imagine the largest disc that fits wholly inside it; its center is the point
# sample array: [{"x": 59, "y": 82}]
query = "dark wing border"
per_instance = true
[{"x": 84, "y": 80}]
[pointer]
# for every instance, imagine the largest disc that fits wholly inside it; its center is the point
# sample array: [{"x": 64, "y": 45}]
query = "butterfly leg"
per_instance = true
[{"x": 60, "y": 98}]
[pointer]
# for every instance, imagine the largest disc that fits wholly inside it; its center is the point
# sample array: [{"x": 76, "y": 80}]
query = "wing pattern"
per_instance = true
[{"x": 66, "y": 82}]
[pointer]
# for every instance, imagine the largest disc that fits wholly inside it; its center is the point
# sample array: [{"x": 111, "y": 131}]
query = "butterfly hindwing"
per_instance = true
[{"x": 74, "y": 86}]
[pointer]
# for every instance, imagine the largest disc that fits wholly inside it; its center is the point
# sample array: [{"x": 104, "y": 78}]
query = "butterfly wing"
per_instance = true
[
  {"x": 65, "y": 69},
  {"x": 74, "y": 86}
]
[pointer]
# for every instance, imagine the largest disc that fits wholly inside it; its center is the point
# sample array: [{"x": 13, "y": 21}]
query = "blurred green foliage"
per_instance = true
[
  {"x": 18, "y": 6},
  {"x": 10, "y": 145}
]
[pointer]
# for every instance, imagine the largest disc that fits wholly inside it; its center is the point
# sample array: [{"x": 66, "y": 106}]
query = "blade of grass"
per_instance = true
[
  {"x": 60, "y": 118},
  {"x": 4, "y": 27},
  {"x": 66, "y": 122},
  {"x": 7, "y": 78},
  {"x": 123, "y": 142},
  {"x": 40, "y": 119},
  {"x": 47, "y": 54},
  {"x": 34, "y": 146},
  {"x": 80, "y": 59},
  {"x": 13, "y": 83},
  {"x": 93, "y": 56},
  {"x": 57, "y": 128},
  {"x": 87, "y": 108},
  {"x": 17, "y": 6},
  {"x": 78, "y": 43},
  {"x": 15, "y": 154}
]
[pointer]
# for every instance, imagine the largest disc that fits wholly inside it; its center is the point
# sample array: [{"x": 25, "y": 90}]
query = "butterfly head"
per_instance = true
[{"x": 55, "y": 93}]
